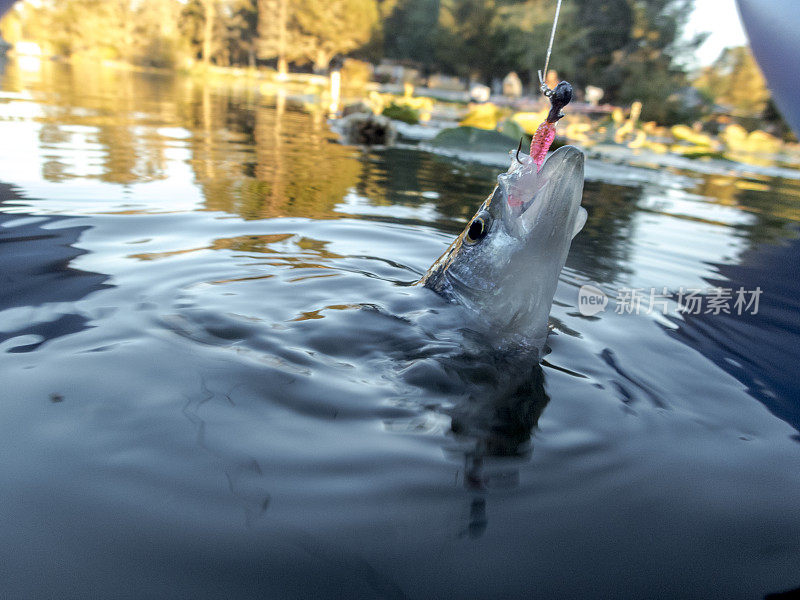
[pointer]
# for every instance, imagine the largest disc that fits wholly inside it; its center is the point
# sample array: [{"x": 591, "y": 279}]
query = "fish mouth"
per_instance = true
[
  {"x": 555, "y": 189},
  {"x": 567, "y": 161}
]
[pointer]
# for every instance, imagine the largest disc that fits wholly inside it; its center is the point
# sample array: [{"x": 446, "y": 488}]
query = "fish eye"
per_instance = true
[{"x": 477, "y": 229}]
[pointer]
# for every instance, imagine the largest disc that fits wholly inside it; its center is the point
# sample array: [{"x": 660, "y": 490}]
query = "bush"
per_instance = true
[
  {"x": 160, "y": 52},
  {"x": 402, "y": 112}
]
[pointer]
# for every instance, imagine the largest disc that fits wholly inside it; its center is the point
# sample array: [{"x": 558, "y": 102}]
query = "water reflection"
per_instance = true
[
  {"x": 493, "y": 403},
  {"x": 602, "y": 251},
  {"x": 36, "y": 257},
  {"x": 253, "y": 156},
  {"x": 35, "y": 271},
  {"x": 493, "y": 430},
  {"x": 764, "y": 362}
]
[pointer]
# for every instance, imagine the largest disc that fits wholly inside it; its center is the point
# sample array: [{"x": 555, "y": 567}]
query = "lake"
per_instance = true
[{"x": 220, "y": 381}]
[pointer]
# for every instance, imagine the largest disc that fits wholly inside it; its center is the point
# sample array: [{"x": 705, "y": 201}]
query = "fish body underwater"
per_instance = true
[{"x": 504, "y": 266}]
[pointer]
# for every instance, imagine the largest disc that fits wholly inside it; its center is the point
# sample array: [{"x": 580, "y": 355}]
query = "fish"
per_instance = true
[{"x": 504, "y": 266}]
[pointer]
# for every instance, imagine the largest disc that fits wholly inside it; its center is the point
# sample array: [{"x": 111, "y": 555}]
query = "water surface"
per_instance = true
[{"x": 218, "y": 379}]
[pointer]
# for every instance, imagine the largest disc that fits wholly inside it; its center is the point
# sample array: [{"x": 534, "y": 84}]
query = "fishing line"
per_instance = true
[{"x": 542, "y": 85}]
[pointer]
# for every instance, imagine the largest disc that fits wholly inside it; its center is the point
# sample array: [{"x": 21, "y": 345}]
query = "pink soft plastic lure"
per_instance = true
[
  {"x": 523, "y": 183},
  {"x": 540, "y": 144},
  {"x": 546, "y": 132}
]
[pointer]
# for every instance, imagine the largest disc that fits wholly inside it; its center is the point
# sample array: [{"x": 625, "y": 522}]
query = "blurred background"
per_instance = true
[{"x": 676, "y": 62}]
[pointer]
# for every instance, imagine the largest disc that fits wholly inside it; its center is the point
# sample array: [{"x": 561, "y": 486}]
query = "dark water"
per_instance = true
[{"x": 219, "y": 382}]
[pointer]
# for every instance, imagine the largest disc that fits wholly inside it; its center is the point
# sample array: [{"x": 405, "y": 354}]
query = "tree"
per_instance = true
[
  {"x": 156, "y": 39},
  {"x": 522, "y": 31},
  {"x": 466, "y": 41},
  {"x": 224, "y": 31},
  {"x": 72, "y": 27},
  {"x": 373, "y": 50},
  {"x": 306, "y": 31},
  {"x": 209, "y": 14},
  {"x": 409, "y": 31},
  {"x": 273, "y": 23},
  {"x": 242, "y": 32},
  {"x": 630, "y": 48},
  {"x": 734, "y": 79},
  {"x": 323, "y": 29}
]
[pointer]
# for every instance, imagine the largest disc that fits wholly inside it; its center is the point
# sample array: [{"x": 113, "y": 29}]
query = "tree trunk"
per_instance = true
[
  {"x": 283, "y": 16},
  {"x": 321, "y": 62},
  {"x": 208, "y": 30},
  {"x": 273, "y": 37}
]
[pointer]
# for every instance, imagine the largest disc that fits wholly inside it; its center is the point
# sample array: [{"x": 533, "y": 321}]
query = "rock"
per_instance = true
[
  {"x": 366, "y": 129},
  {"x": 479, "y": 93},
  {"x": 358, "y": 107},
  {"x": 512, "y": 85},
  {"x": 593, "y": 94}
]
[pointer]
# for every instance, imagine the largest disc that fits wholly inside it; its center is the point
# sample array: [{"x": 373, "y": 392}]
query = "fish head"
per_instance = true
[{"x": 505, "y": 264}]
